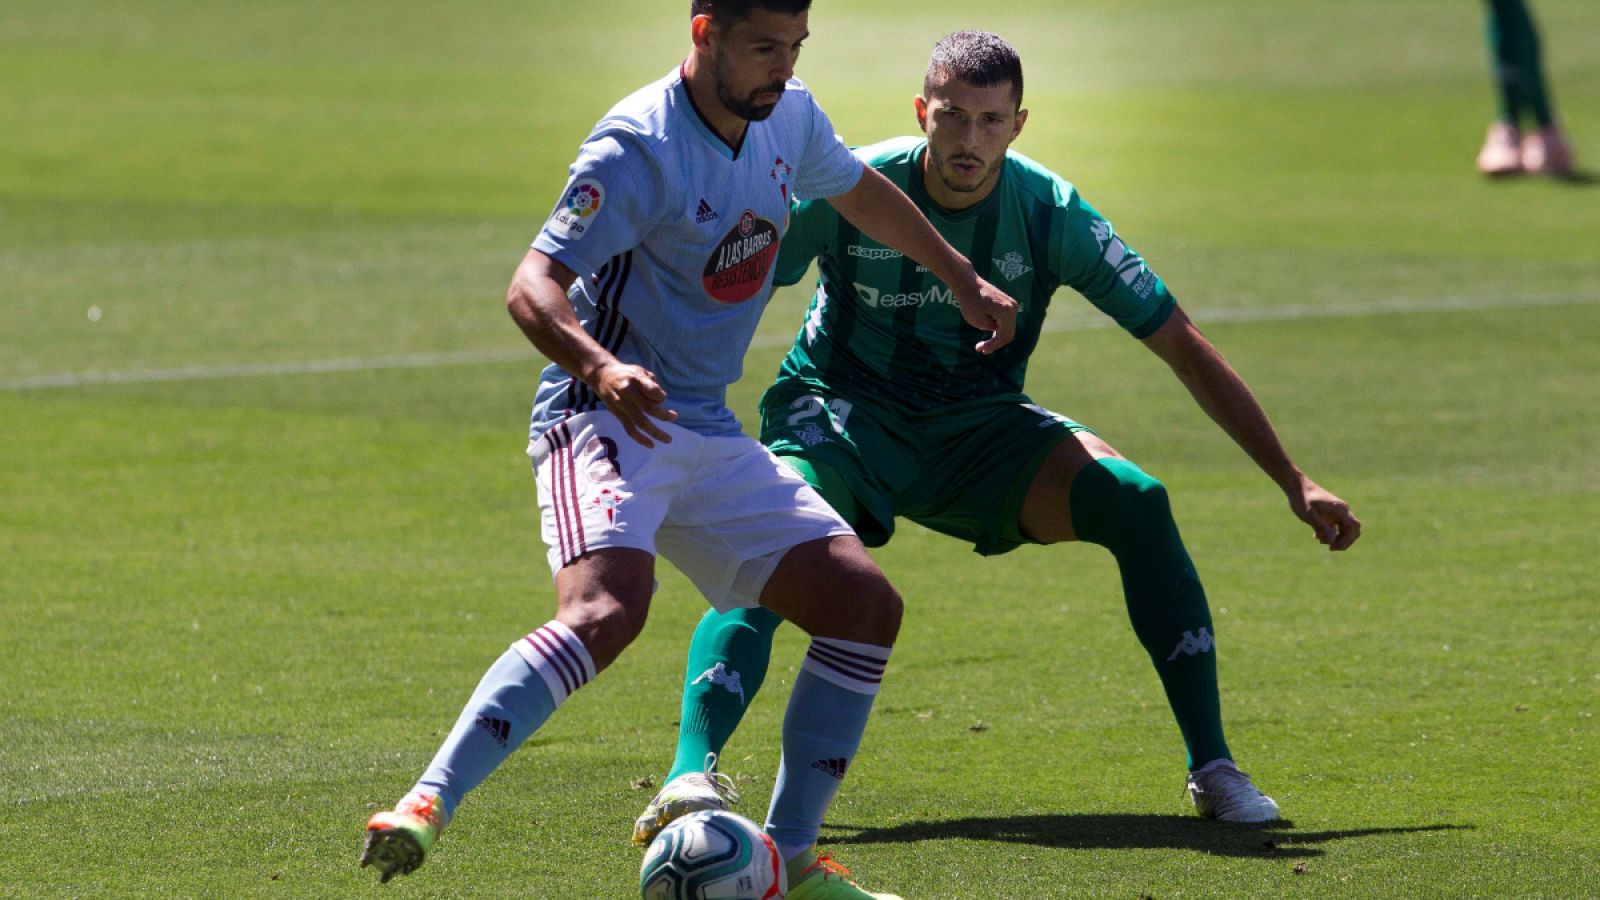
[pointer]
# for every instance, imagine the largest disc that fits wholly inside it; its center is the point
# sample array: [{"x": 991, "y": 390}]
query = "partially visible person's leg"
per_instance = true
[
  {"x": 602, "y": 558},
  {"x": 729, "y": 654},
  {"x": 1514, "y": 144},
  {"x": 1086, "y": 491},
  {"x": 603, "y": 599},
  {"x": 833, "y": 591}
]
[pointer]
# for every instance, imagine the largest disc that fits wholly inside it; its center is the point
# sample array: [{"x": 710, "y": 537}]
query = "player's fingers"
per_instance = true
[
  {"x": 639, "y": 437},
  {"x": 634, "y": 422},
  {"x": 1349, "y": 531},
  {"x": 1002, "y": 330},
  {"x": 654, "y": 430},
  {"x": 651, "y": 390}
]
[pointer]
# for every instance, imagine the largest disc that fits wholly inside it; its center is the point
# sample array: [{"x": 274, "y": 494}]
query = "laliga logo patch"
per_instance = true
[
  {"x": 738, "y": 268},
  {"x": 584, "y": 199},
  {"x": 578, "y": 208}
]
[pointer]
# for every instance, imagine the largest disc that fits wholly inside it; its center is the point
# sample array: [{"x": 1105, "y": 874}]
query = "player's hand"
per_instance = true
[
  {"x": 1329, "y": 517},
  {"x": 636, "y": 399},
  {"x": 989, "y": 309}
]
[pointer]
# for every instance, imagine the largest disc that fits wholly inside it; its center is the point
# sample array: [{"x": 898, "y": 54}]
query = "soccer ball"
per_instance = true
[{"x": 712, "y": 854}]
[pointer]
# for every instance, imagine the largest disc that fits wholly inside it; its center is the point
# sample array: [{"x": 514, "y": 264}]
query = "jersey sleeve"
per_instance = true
[
  {"x": 615, "y": 195},
  {"x": 1091, "y": 259},
  {"x": 811, "y": 224},
  {"x": 828, "y": 168}
]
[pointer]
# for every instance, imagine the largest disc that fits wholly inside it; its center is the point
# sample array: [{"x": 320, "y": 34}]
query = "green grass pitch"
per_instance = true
[{"x": 253, "y": 561}]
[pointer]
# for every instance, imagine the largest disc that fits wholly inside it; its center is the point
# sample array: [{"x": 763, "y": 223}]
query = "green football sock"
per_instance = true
[
  {"x": 1519, "y": 74},
  {"x": 727, "y": 664},
  {"x": 729, "y": 653},
  {"x": 1116, "y": 505}
]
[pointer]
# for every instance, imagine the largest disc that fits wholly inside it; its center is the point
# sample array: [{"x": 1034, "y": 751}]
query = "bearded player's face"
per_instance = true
[{"x": 752, "y": 60}]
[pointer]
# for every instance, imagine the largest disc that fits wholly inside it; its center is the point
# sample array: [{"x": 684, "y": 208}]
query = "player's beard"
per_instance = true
[
  {"x": 962, "y": 185},
  {"x": 745, "y": 107}
]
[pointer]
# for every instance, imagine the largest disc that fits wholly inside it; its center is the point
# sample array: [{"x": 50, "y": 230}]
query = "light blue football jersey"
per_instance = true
[{"x": 674, "y": 236}]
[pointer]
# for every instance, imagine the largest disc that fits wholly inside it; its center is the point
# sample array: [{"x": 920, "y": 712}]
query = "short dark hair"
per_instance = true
[
  {"x": 978, "y": 58},
  {"x": 732, "y": 12}
]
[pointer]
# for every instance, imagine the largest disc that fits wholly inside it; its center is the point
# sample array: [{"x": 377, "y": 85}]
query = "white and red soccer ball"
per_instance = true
[{"x": 712, "y": 855}]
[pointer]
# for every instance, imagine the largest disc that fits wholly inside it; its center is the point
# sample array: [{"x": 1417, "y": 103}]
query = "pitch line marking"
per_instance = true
[{"x": 1303, "y": 312}]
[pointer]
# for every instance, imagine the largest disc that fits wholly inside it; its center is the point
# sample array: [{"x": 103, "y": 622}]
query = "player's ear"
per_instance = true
[
  {"x": 700, "y": 31},
  {"x": 1016, "y": 125},
  {"x": 920, "y": 104}
]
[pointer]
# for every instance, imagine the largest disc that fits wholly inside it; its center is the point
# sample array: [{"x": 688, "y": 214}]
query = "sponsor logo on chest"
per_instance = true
[{"x": 738, "y": 267}]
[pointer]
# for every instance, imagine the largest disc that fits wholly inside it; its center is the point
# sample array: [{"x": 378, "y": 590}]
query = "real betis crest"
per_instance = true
[{"x": 1012, "y": 267}]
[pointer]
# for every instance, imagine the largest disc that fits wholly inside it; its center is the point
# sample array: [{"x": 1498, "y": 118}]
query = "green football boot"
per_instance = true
[
  {"x": 399, "y": 839},
  {"x": 818, "y": 876}
]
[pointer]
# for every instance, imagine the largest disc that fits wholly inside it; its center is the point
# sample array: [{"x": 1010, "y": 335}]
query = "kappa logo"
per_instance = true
[
  {"x": 719, "y": 676},
  {"x": 861, "y": 252},
  {"x": 499, "y": 729},
  {"x": 1101, "y": 229},
  {"x": 834, "y": 767},
  {"x": 1192, "y": 645},
  {"x": 1012, "y": 267},
  {"x": 705, "y": 213}
]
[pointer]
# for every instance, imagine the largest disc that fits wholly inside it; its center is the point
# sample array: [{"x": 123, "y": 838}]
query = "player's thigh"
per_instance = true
[
  {"x": 742, "y": 511},
  {"x": 598, "y": 488},
  {"x": 861, "y": 443},
  {"x": 832, "y": 588},
  {"x": 1046, "y": 515},
  {"x": 980, "y": 459}
]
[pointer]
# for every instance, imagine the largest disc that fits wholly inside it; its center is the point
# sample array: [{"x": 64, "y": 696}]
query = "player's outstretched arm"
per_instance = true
[
  {"x": 1224, "y": 396},
  {"x": 889, "y": 217},
  {"x": 537, "y": 301}
]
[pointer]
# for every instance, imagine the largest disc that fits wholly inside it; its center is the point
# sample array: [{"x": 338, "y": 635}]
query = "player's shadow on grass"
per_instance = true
[{"x": 1274, "y": 840}]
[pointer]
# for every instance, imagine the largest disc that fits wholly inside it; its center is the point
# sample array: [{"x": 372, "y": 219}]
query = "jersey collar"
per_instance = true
[{"x": 699, "y": 122}]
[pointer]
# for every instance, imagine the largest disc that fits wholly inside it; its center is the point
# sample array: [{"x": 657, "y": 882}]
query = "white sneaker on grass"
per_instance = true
[{"x": 1220, "y": 791}]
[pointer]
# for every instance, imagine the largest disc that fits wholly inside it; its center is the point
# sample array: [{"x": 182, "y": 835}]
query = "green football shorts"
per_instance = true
[{"x": 963, "y": 470}]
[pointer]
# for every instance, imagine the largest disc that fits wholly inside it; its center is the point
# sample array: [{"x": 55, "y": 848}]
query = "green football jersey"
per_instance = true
[{"x": 882, "y": 326}]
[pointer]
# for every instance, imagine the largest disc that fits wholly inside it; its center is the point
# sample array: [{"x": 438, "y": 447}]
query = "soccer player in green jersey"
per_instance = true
[
  {"x": 885, "y": 409},
  {"x": 1520, "y": 88}
]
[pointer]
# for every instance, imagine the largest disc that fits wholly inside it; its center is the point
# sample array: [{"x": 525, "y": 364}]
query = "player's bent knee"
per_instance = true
[
  {"x": 605, "y": 623},
  {"x": 832, "y": 588},
  {"x": 1115, "y": 501},
  {"x": 877, "y": 614}
]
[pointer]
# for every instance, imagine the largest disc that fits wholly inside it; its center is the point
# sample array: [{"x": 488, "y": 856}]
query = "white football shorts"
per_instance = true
[{"x": 719, "y": 508}]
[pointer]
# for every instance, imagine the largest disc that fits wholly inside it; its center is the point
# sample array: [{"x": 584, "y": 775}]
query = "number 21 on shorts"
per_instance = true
[{"x": 811, "y": 406}]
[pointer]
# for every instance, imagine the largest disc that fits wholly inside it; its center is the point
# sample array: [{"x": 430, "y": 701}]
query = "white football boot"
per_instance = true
[
  {"x": 1220, "y": 791},
  {"x": 685, "y": 794},
  {"x": 1502, "y": 151}
]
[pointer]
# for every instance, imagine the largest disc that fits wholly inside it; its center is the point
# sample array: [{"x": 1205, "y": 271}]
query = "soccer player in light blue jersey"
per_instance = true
[
  {"x": 888, "y": 412},
  {"x": 643, "y": 289}
]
